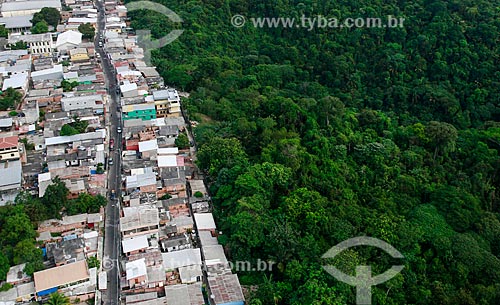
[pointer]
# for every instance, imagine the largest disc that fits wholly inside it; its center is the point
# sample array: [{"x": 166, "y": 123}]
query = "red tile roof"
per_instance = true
[{"x": 9, "y": 142}]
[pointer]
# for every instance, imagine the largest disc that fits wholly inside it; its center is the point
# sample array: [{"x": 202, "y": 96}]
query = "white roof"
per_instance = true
[
  {"x": 214, "y": 255},
  {"x": 141, "y": 180},
  {"x": 72, "y": 37},
  {"x": 17, "y": 21},
  {"x": 82, "y": 20},
  {"x": 10, "y": 173},
  {"x": 15, "y": 81},
  {"x": 136, "y": 269},
  {"x": 181, "y": 258},
  {"x": 128, "y": 87},
  {"x": 70, "y": 75},
  {"x": 6, "y": 122},
  {"x": 44, "y": 177},
  {"x": 98, "y": 134},
  {"x": 168, "y": 151},
  {"x": 135, "y": 243},
  {"x": 91, "y": 234},
  {"x": 204, "y": 221},
  {"x": 54, "y": 69},
  {"x": 29, "y": 5},
  {"x": 148, "y": 145},
  {"x": 167, "y": 161}
]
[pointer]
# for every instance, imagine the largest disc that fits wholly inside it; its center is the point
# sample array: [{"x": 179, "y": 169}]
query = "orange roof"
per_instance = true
[
  {"x": 9, "y": 142},
  {"x": 62, "y": 275}
]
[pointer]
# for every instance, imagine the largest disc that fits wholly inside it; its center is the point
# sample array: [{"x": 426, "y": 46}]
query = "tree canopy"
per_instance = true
[
  {"x": 49, "y": 15},
  {"x": 311, "y": 137}
]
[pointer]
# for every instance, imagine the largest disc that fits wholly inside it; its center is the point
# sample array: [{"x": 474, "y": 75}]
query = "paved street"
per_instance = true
[{"x": 112, "y": 233}]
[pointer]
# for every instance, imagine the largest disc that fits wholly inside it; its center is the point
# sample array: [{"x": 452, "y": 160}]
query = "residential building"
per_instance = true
[
  {"x": 137, "y": 274},
  {"x": 37, "y": 43},
  {"x": 9, "y": 149},
  {"x": 53, "y": 73},
  {"x": 78, "y": 55},
  {"x": 68, "y": 40},
  {"x": 183, "y": 294},
  {"x": 50, "y": 280},
  {"x": 139, "y": 221},
  {"x": 167, "y": 103},
  {"x": 225, "y": 290},
  {"x": 94, "y": 102},
  {"x": 139, "y": 111}
]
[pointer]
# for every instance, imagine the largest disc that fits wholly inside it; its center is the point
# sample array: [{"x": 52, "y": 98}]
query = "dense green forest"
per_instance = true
[{"x": 309, "y": 138}]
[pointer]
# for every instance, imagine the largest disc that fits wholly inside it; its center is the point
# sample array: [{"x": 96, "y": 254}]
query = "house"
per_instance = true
[
  {"x": 69, "y": 223},
  {"x": 16, "y": 275},
  {"x": 183, "y": 294},
  {"x": 190, "y": 274},
  {"x": 94, "y": 102},
  {"x": 145, "y": 182},
  {"x": 129, "y": 90},
  {"x": 17, "y": 81},
  {"x": 182, "y": 258},
  {"x": 137, "y": 274},
  {"x": 215, "y": 260},
  {"x": 139, "y": 221},
  {"x": 78, "y": 55},
  {"x": 55, "y": 72},
  {"x": 10, "y": 180},
  {"x": 225, "y": 290},
  {"x": 144, "y": 112},
  {"x": 68, "y": 40},
  {"x": 37, "y": 43},
  {"x": 12, "y": 8},
  {"x": 135, "y": 245},
  {"x": 66, "y": 251},
  {"x": 205, "y": 222},
  {"x": 167, "y": 103},
  {"x": 50, "y": 280},
  {"x": 9, "y": 149},
  {"x": 170, "y": 161}
]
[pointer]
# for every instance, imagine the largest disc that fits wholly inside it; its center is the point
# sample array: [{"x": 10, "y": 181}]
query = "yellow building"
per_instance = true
[{"x": 167, "y": 102}]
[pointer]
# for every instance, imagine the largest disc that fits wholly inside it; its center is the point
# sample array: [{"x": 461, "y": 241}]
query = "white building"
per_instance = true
[
  {"x": 12, "y": 8},
  {"x": 68, "y": 40},
  {"x": 37, "y": 43},
  {"x": 82, "y": 102},
  {"x": 55, "y": 72}
]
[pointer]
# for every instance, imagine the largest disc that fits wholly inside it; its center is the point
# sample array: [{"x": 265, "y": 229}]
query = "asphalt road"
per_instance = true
[{"x": 113, "y": 119}]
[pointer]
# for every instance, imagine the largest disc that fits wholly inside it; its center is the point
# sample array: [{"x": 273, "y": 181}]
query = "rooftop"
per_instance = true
[
  {"x": 226, "y": 289},
  {"x": 181, "y": 258},
  {"x": 62, "y": 275},
  {"x": 183, "y": 294},
  {"x": 204, "y": 221},
  {"x": 135, "y": 243},
  {"x": 136, "y": 269},
  {"x": 12, "y": 6}
]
